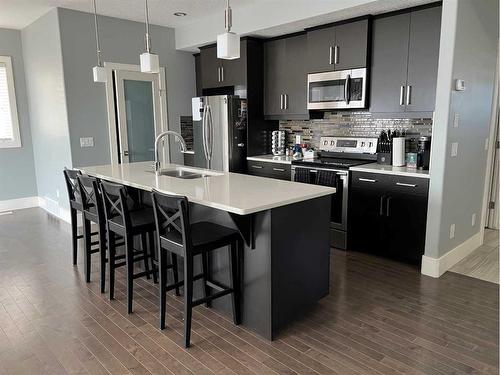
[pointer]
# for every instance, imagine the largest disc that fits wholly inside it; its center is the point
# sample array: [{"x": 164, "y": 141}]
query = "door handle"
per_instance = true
[
  {"x": 408, "y": 95},
  {"x": 388, "y": 206},
  {"x": 286, "y": 101},
  {"x": 257, "y": 166},
  {"x": 381, "y": 210},
  {"x": 281, "y": 101},
  {"x": 336, "y": 50},
  {"x": 218, "y": 74},
  {"x": 367, "y": 180},
  {"x": 330, "y": 60},
  {"x": 402, "y": 95},
  {"x": 278, "y": 169},
  {"x": 407, "y": 185},
  {"x": 222, "y": 73}
]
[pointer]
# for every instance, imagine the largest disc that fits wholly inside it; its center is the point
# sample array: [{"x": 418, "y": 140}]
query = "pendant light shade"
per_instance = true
[
  {"x": 150, "y": 62},
  {"x": 228, "y": 44},
  {"x": 99, "y": 72}
]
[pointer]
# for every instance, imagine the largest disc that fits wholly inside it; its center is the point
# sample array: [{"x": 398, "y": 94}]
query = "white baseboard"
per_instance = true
[
  {"x": 435, "y": 267},
  {"x": 53, "y": 208},
  {"x": 18, "y": 204}
]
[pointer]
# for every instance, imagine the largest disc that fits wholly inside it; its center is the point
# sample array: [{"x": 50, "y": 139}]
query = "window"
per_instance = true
[{"x": 9, "y": 123}]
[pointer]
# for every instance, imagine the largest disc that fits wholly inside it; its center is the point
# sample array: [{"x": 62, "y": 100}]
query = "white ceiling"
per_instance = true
[{"x": 205, "y": 17}]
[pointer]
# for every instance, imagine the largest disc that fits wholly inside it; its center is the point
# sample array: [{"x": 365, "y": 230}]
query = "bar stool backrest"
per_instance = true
[
  {"x": 91, "y": 195},
  {"x": 114, "y": 197},
  {"x": 172, "y": 221},
  {"x": 70, "y": 176}
]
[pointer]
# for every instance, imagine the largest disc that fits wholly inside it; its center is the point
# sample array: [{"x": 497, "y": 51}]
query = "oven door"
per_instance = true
[
  {"x": 336, "y": 90},
  {"x": 338, "y": 211}
]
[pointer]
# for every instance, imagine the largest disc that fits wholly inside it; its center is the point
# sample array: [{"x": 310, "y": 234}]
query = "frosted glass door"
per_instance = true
[{"x": 139, "y": 114}]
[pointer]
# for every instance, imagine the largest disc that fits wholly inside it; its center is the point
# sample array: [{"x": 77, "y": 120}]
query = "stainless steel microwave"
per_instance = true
[{"x": 341, "y": 89}]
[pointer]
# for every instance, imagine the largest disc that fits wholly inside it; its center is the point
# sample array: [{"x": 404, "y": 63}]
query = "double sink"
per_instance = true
[{"x": 186, "y": 173}]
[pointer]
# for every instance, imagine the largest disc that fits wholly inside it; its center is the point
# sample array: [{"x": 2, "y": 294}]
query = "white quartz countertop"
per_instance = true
[
  {"x": 284, "y": 159},
  {"x": 233, "y": 192},
  {"x": 390, "y": 169}
]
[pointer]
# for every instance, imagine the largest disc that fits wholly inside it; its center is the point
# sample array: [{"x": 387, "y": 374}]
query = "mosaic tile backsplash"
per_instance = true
[{"x": 354, "y": 124}]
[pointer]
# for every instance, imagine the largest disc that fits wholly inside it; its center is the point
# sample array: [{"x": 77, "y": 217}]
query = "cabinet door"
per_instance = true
[
  {"x": 320, "y": 45},
  {"x": 425, "y": 29},
  {"x": 234, "y": 71},
  {"x": 366, "y": 221},
  {"x": 274, "y": 76},
  {"x": 406, "y": 223},
  {"x": 389, "y": 63},
  {"x": 296, "y": 76},
  {"x": 351, "y": 40},
  {"x": 210, "y": 68}
]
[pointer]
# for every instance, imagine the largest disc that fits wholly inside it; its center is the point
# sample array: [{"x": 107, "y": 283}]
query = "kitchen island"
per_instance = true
[{"x": 285, "y": 225}]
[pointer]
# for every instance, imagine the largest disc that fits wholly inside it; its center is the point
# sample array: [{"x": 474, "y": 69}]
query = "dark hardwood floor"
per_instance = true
[{"x": 381, "y": 317}]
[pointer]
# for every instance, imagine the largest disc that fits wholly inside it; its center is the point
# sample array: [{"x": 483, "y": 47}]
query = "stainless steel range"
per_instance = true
[{"x": 331, "y": 168}]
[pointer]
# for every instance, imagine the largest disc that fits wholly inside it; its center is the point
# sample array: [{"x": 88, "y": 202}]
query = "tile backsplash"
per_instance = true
[{"x": 355, "y": 124}]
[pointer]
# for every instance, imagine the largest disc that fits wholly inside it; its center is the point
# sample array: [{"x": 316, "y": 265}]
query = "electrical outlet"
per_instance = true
[
  {"x": 473, "y": 221},
  {"x": 456, "y": 120},
  {"x": 454, "y": 149},
  {"x": 452, "y": 231},
  {"x": 87, "y": 142}
]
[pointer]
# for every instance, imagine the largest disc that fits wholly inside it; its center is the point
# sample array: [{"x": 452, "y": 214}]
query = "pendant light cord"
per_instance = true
[
  {"x": 97, "y": 43},
  {"x": 147, "y": 36}
]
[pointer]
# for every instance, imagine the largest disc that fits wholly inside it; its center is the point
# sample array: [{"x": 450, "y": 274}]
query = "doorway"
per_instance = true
[{"x": 137, "y": 113}]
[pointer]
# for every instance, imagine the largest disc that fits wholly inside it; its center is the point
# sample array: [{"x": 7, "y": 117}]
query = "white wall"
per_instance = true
[{"x": 469, "y": 42}]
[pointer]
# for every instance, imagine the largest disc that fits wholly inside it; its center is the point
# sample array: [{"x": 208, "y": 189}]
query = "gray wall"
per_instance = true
[
  {"x": 469, "y": 51},
  {"x": 47, "y": 105},
  {"x": 122, "y": 41},
  {"x": 17, "y": 170}
]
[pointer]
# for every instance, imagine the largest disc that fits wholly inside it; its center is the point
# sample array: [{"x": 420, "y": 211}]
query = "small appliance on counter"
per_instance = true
[
  {"x": 278, "y": 141},
  {"x": 423, "y": 152}
]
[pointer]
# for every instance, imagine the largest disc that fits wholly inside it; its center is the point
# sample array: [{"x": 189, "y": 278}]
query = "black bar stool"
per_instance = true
[
  {"x": 75, "y": 206},
  {"x": 126, "y": 218},
  {"x": 175, "y": 234}
]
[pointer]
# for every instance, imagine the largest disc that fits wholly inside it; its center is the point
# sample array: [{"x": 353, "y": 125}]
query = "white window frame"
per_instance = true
[{"x": 16, "y": 141}]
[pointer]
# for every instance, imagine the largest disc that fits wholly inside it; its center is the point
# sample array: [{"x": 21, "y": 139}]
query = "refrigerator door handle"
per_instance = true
[
  {"x": 204, "y": 130},
  {"x": 210, "y": 134}
]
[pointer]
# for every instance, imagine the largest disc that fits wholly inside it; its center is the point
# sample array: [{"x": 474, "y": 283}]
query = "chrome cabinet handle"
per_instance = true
[
  {"x": 286, "y": 101},
  {"x": 281, "y": 101},
  {"x": 367, "y": 180},
  {"x": 336, "y": 54},
  {"x": 278, "y": 169},
  {"x": 347, "y": 88},
  {"x": 222, "y": 73},
  {"x": 408, "y": 95},
  {"x": 218, "y": 74},
  {"x": 257, "y": 166},
  {"x": 330, "y": 60},
  {"x": 402, "y": 95},
  {"x": 241, "y": 145},
  {"x": 407, "y": 185},
  {"x": 381, "y": 210},
  {"x": 388, "y": 206}
]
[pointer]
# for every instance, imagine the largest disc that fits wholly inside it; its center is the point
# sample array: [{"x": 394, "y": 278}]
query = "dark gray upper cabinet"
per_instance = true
[
  {"x": 344, "y": 46},
  {"x": 425, "y": 28},
  {"x": 389, "y": 63},
  {"x": 285, "y": 78},
  {"x": 405, "y": 53},
  {"x": 217, "y": 72}
]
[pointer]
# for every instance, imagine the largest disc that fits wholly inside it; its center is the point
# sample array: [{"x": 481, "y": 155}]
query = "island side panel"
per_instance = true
[{"x": 300, "y": 259}]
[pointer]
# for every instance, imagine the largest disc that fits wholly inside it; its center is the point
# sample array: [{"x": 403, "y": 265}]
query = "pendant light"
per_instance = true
[
  {"x": 99, "y": 71},
  {"x": 150, "y": 62},
  {"x": 228, "y": 44}
]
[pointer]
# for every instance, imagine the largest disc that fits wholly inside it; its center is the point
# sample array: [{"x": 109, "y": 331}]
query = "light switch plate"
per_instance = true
[
  {"x": 456, "y": 120},
  {"x": 454, "y": 149},
  {"x": 87, "y": 142},
  {"x": 452, "y": 231}
]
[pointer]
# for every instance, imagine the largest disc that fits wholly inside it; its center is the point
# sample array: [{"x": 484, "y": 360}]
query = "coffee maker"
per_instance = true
[{"x": 423, "y": 152}]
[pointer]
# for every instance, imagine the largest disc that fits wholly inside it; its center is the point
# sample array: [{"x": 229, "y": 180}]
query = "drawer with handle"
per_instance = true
[
  {"x": 269, "y": 169},
  {"x": 395, "y": 183}
]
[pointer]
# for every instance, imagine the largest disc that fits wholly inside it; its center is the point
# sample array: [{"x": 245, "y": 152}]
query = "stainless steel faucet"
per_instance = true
[{"x": 157, "y": 165}]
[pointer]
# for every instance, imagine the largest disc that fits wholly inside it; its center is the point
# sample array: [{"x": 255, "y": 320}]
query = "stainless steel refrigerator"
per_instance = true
[{"x": 220, "y": 132}]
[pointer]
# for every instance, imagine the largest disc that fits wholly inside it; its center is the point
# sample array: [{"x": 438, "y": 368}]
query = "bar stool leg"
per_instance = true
[
  {"x": 87, "y": 240},
  {"x": 129, "y": 249},
  {"x": 112, "y": 263},
  {"x": 144, "y": 246},
  {"x": 163, "y": 287},
  {"x": 175, "y": 271},
  {"x": 74, "y": 235},
  {"x": 188, "y": 298},
  {"x": 235, "y": 282},
  {"x": 206, "y": 277},
  {"x": 152, "y": 254},
  {"x": 102, "y": 253}
]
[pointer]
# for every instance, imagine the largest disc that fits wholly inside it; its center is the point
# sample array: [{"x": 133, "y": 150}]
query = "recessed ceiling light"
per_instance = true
[{"x": 180, "y": 14}]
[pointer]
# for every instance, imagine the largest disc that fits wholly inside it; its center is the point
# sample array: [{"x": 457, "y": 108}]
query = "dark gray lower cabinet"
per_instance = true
[
  {"x": 387, "y": 215},
  {"x": 268, "y": 169}
]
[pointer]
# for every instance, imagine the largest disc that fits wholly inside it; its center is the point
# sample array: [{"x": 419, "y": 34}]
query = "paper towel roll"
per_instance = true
[{"x": 398, "y": 152}]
